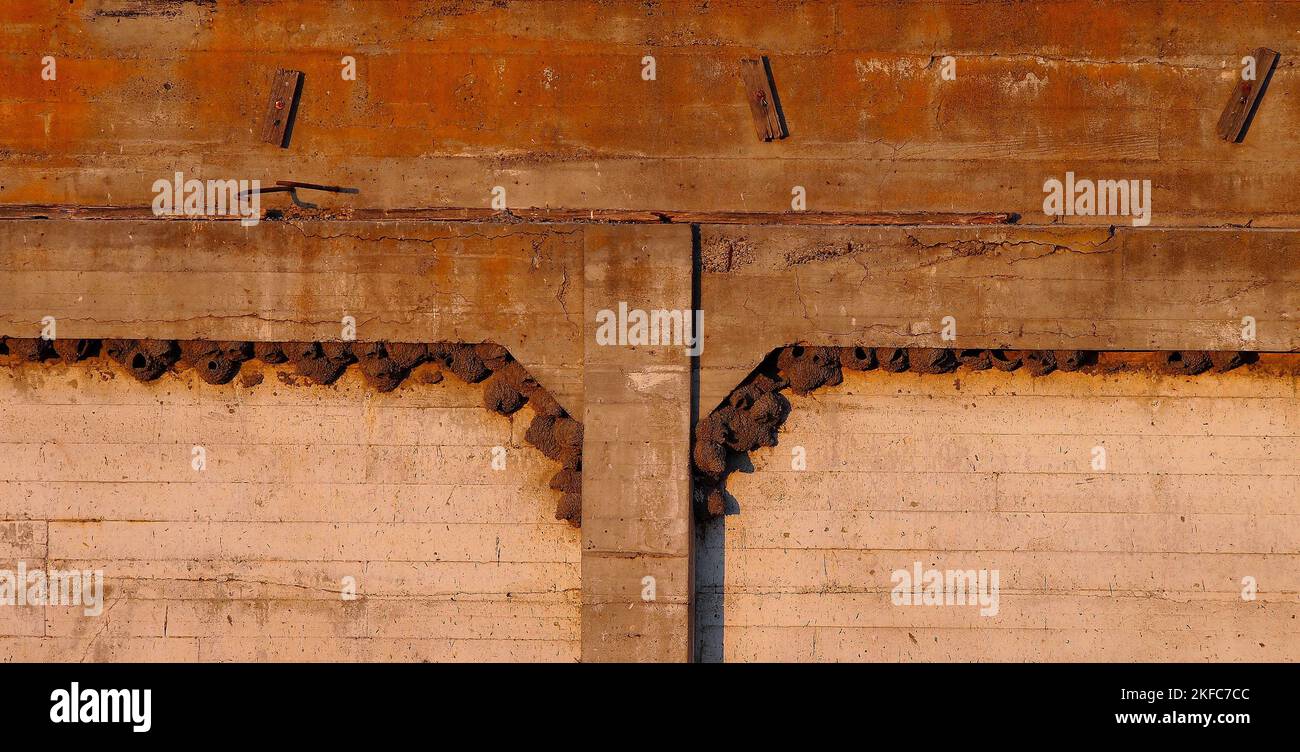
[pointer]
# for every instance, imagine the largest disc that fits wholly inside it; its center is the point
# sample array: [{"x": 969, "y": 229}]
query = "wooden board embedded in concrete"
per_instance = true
[
  {"x": 636, "y": 516},
  {"x": 280, "y": 107},
  {"x": 1246, "y": 96}
]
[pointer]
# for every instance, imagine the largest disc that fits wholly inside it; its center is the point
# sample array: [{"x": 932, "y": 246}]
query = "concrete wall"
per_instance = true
[
  {"x": 304, "y": 485},
  {"x": 546, "y": 98},
  {"x": 1143, "y": 561}
]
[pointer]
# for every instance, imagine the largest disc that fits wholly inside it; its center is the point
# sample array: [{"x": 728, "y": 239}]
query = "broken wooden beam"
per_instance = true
[
  {"x": 286, "y": 87},
  {"x": 1246, "y": 96},
  {"x": 760, "y": 89}
]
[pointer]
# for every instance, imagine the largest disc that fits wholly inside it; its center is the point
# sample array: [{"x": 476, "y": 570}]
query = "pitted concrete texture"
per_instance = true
[
  {"x": 510, "y": 169},
  {"x": 636, "y": 532},
  {"x": 1141, "y": 561},
  {"x": 546, "y": 99},
  {"x": 304, "y": 486}
]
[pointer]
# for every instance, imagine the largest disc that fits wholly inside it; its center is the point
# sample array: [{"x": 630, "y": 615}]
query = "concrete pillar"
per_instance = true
[{"x": 636, "y": 525}]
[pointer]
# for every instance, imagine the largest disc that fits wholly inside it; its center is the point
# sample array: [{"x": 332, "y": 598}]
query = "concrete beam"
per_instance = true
[
  {"x": 546, "y": 100},
  {"x": 514, "y": 284},
  {"x": 1126, "y": 288}
]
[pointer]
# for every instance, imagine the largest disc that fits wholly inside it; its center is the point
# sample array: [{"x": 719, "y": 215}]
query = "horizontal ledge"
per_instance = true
[{"x": 467, "y": 214}]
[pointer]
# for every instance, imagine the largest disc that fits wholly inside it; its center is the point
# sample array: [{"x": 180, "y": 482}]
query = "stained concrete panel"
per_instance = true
[
  {"x": 547, "y": 100},
  {"x": 303, "y": 488},
  {"x": 1142, "y": 560},
  {"x": 636, "y": 523}
]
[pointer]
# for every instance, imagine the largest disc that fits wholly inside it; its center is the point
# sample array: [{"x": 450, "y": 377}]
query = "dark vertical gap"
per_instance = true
[
  {"x": 776, "y": 98},
  {"x": 293, "y": 113},
  {"x": 1263, "y": 89},
  {"x": 696, "y": 548},
  {"x": 708, "y": 557}
]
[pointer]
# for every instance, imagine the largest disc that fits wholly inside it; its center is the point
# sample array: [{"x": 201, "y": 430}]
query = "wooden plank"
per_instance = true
[
  {"x": 1243, "y": 104},
  {"x": 286, "y": 88},
  {"x": 761, "y": 94}
]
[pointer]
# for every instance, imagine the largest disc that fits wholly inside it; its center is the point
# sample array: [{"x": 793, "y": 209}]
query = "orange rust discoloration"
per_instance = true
[{"x": 547, "y": 98}]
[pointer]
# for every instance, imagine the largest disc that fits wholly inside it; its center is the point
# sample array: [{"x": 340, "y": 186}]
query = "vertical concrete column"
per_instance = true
[{"x": 636, "y": 516}]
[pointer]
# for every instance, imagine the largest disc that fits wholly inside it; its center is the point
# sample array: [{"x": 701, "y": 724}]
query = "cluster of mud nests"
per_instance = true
[
  {"x": 507, "y": 385},
  {"x": 751, "y": 415}
]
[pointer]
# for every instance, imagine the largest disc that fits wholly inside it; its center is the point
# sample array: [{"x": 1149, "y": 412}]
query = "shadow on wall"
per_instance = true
[
  {"x": 710, "y": 589},
  {"x": 711, "y": 571}
]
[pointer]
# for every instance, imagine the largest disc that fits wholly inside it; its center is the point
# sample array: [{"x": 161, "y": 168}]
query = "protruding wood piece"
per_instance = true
[
  {"x": 763, "y": 103},
  {"x": 285, "y": 88},
  {"x": 1236, "y": 117}
]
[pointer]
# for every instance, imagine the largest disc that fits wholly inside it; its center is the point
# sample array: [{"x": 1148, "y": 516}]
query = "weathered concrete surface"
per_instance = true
[
  {"x": 1011, "y": 287},
  {"x": 547, "y": 99},
  {"x": 516, "y": 285},
  {"x": 1142, "y": 561},
  {"x": 636, "y": 517},
  {"x": 303, "y": 486},
  {"x": 522, "y": 286}
]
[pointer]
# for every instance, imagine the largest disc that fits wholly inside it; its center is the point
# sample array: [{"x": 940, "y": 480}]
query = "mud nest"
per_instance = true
[
  {"x": 751, "y": 416},
  {"x": 507, "y": 384},
  {"x": 215, "y": 362}
]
